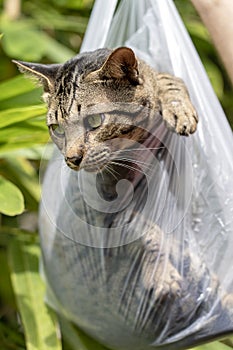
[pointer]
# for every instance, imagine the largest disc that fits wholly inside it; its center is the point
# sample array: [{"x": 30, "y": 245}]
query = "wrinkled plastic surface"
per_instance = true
[{"x": 163, "y": 279}]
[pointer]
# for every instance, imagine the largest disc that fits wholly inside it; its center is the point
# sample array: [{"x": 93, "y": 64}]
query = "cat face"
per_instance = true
[{"x": 96, "y": 103}]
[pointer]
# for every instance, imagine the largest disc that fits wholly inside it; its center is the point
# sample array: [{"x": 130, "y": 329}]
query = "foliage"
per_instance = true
[
  {"x": 39, "y": 321},
  {"x": 16, "y": 205},
  {"x": 47, "y": 31}
]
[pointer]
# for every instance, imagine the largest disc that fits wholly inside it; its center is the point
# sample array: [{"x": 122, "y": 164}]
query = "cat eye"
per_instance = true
[
  {"x": 93, "y": 121},
  {"x": 57, "y": 130}
]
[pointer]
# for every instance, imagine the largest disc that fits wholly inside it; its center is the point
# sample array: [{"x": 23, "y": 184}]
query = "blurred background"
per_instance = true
[{"x": 49, "y": 32}]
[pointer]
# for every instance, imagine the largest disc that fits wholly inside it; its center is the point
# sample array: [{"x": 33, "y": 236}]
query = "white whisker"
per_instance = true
[
  {"x": 145, "y": 165},
  {"x": 127, "y": 166},
  {"x": 133, "y": 160},
  {"x": 114, "y": 171},
  {"x": 111, "y": 171},
  {"x": 139, "y": 149},
  {"x": 99, "y": 171}
]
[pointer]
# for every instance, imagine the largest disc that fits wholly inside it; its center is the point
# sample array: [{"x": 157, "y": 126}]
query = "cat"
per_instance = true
[
  {"x": 74, "y": 89},
  {"x": 141, "y": 291}
]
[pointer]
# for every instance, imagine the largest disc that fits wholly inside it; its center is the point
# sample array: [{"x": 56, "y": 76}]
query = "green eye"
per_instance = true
[
  {"x": 94, "y": 121},
  {"x": 57, "y": 130}
]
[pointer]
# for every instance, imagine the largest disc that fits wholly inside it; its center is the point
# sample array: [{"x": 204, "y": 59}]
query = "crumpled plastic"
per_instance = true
[{"x": 164, "y": 278}]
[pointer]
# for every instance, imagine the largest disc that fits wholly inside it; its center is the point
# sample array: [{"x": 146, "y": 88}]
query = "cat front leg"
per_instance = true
[
  {"x": 159, "y": 275},
  {"x": 176, "y": 107}
]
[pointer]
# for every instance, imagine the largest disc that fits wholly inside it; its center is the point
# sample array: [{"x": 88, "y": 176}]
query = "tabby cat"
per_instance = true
[{"x": 141, "y": 291}]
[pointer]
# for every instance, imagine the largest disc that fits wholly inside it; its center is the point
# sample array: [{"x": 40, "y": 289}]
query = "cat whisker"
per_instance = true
[
  {"x": 101, "y": 172},
  {"x": 139, "y": 149},
  {"x": 124, "y": 165},
  {"x": 147, "y": 165},
  {"x": 111, "y": 171},
  {"x": 134, "y": 160},
  {"x": 143, "y": 168}
]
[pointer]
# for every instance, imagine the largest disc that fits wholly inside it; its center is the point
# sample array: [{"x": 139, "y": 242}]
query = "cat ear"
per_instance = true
[
  {"x": 44, "y": 73},
  {"x": 121, "y": 64}
]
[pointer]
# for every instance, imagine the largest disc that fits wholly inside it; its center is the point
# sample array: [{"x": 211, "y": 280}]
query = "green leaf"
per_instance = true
[
  {"x": 40, "y": 323},
  {"x": 228, "y": 342},
  {"x": 37, "y": 152},
  {"x": 20, "y": 144},
  {"x": 25, "y": 177},
  {"x": 6, "y": 291},
  {"x": 10, "y": 338},
  {"x": 19, "y": 92},
  {"x": 23, "y": 131},
  {"x": 55, "y": 51},
  {"x": 215, "y": 77},
  {"x": 52, "y": 19},
  {"x": 77, "y": 339},
  {"x": 15, "y": 115},
  {"x": 23, "y": 135},
  {"x": 75, "y": 4},
  {"x": 23, "y": 40},
  {"x": 213, "y": 346},
  {"x": 11, "y": 199},
  {"x": 15, "y": 86},
  {"x": 198, "y": 29}
]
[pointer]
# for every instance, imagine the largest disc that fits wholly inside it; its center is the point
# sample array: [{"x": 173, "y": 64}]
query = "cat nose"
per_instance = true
[{"x": 74, "y": 160}]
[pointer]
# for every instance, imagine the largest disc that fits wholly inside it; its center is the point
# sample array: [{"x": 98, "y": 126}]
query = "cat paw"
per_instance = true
[
  {"x": 166, "y": 282},
  {"x": 168, "y": 290},
  {"x": 180, "y": 116}
]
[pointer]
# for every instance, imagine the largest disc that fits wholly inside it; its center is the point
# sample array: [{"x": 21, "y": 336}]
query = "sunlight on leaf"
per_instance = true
[
  {"x": 22, "y": 40},
  {"x": 39, "y": 321},
  {"x": 15, "y": 86},
  {"x": 197, "y": 28},
  {"x": 15, "y": 115},
  {"x": 213, "y": 346},
  {"x": 11, "y": 198},
  {"x": 55, "y": 51},
  {"x": 25, "y": 177},
  {"x": 76, "y": 4},
  {"x": 35, "y": 152},
  {"x": 215, "y": 77}
]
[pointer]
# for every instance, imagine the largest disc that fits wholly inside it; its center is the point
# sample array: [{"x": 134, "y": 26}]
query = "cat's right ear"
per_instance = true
[
  {"x": 121, "y": 64},
  {"x": 44, "y": 73}
]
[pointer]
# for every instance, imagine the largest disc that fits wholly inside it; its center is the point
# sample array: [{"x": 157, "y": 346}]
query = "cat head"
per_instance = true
[{"x": 94, "y": 102}]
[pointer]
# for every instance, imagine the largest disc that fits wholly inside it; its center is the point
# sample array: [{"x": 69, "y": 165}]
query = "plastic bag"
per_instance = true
[{"x": 162, "y": 277}]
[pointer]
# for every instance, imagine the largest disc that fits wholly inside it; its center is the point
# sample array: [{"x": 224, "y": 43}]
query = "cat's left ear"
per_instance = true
[
  {"x": 44, "y": 73},
  {"x": 121, "y": 64}
]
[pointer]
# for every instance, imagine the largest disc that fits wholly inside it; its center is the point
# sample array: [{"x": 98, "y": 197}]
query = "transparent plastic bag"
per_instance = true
[{"x": 162, "y": 277}]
